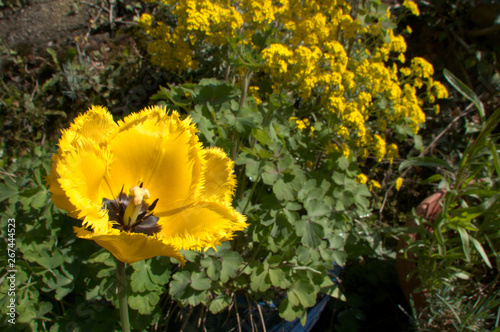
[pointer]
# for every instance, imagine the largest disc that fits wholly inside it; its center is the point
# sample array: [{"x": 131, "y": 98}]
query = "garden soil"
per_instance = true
[{"x": 39, "y": 24}]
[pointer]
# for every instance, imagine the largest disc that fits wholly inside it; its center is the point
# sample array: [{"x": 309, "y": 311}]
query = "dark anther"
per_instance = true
[{"x": 153, "y": 205}]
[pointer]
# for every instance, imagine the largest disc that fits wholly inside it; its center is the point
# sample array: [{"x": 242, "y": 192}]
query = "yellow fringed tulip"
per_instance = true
[{"x": 144, "y": 186}]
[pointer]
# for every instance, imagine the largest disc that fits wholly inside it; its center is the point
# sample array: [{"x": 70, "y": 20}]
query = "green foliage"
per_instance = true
[
  {"x": 457, "y": 253},
  {"x": 13, "y": 3},
  {"x": 36, "y": 104}
]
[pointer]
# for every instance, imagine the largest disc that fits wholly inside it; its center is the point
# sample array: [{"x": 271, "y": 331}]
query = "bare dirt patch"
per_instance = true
[{"x": 44, "y": 23}]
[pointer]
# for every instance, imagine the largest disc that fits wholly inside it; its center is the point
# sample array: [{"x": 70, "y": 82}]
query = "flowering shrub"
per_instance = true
[{"x": 348, "y": 72}]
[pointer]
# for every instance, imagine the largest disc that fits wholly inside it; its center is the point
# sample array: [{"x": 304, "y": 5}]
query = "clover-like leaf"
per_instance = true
[
  {"x": 199, "y": 281},
  {"x": 219, "y": 304},
  {"x": 259, "y": 280},
  {"x": 230, "y": 263}
]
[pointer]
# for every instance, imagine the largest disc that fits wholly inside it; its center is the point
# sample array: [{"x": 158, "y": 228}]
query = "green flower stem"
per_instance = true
[{"x": 121, "y": 277}]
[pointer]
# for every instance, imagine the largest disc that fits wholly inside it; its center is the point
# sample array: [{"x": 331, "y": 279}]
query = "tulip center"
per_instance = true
[{"x": 132, "y": 213}]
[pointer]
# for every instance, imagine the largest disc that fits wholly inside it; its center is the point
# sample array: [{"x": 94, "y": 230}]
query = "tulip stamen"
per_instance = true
[{"x": 132, "y": 213}]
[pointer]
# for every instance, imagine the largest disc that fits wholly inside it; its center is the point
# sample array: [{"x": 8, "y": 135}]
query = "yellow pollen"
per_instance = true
[
  {"x": 139, "y": 194},
  {"x": 134, "y": 206}
]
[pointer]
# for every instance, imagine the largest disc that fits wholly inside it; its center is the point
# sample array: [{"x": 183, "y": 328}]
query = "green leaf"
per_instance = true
[
  {"x": 159, "y": 271},
  {"x": 37, "y": 310},
  {"x": 333, "y": 290},
  {"x": 278, "y": 278},
  {"x": 230, "y": 263},
  {"x": 465, "y": 242},
  {"x": 343, "y": 163},
  {"x": 220, "y": 303},
  {"x": 318, "y": 207},
  {"x": 480, "y": 141},
  {"x": 286, "y": 310},
  {"x": 179, "y": 284},
  {"x": 283, "y": 191},
  {"x": 481, "y": 251},
  {"x": 494, "y": 155},
  {"x": 213, "y": 91},
  {"x": 467, "y": 214},
  {"x": 8, "y": 189},
  {"x": 140, "y": 279},
  {"x": 200, "y": 282},
  {"x": 54, "y": 57},
  {"x": 303, "y": 255},
  {"x": 285, "y": 163},
  {"x": 432, "y": 179},
  {"x": 102, "y": 256},
  {"x": 259, "y": 280},
  {"x": 425, "y": 161},
  {"x": 270, "y": 173},
  {"x": 261, "y": 136},
  {"x": 55, "y": 280},
  {"x": 214, "y": 269},
  {"x": 144, "y": 303},
  {"x": 312, "y": 233},
  {"x": 302, "y": 294},
  {"x": 465, "y": 91},
  {"x": 419, "y": 144}
]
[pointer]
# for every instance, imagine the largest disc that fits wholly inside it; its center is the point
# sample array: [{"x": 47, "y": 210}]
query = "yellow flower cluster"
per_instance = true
[
  {"x": 318, "y": 50},
  {"x": 197, "y": 21},
  {"x": 254, "y": 92},
  {"x": 379, "y": 147},
  {"x": 412, "y": 6},
  {"x": 302, "y": 124},
  {"x": 392, "y": 152},
  {"x": 278, "y": 57}
]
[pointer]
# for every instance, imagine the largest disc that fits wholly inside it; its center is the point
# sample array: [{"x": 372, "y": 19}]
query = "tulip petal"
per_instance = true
[
  {"x": 219, "y": 176},
  {"x": 80, "y": 158},
  {"x": 93, "y": 126},
  {"x": 204, "y": 224},
  {"x": 59, "y": 197},
  {"x": 160, "y": 151},
  {"x": 131, "y": 247},
  {"x": 81, "y": 173}
]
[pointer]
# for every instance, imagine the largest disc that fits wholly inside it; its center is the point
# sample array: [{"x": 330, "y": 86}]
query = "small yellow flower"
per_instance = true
[
  {"x": 437, "y": 109},
  {"x": 345, "y": 150},
  {"x": 399, "y": 183},
  {"x": 439, "y": 90},
  {"x": 412, "y": 6},
  {"x": 361, "y": 178},
  {"x": 422, "y": 68},
  {"x": 405, "y": 71},
  {"x": 374, "y": 184},
  {"x": 145, "y": 20},
  {"x": 254, "y": 92},
  {"x": 379, "y": 148},
  {"x": 392, "y": 152},
  {"x": 144, "y": 186},
  {"x": 301, "y": 125}
]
